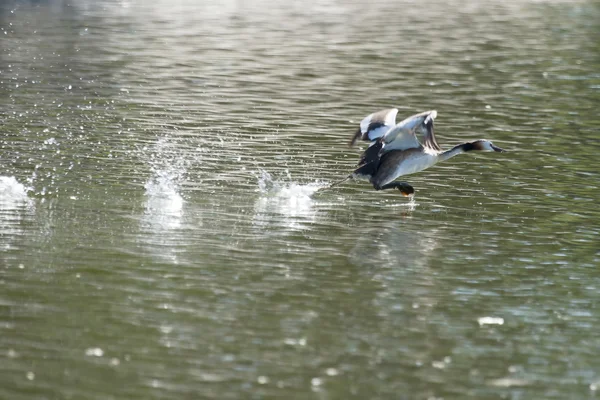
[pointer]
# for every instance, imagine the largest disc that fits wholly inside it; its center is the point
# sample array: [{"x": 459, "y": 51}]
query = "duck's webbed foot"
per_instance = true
[{"x": 403, "y": 187}]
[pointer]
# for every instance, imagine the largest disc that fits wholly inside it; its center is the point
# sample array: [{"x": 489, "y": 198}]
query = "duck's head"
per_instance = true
[{"x": 482, "y": 145}]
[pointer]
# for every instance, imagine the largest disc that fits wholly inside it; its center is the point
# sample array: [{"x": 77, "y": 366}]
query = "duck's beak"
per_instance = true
[{"x": 498, "y": 149}]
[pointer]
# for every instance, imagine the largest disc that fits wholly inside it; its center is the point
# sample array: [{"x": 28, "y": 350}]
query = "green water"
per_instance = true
[{"x": 160, "y": 234}]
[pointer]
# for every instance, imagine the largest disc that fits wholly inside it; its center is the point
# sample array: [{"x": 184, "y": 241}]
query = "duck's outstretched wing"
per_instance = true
[
  {"x": 427, "y": 130},
  {"x": 375, "y": 125},
  {"x": 402, "y": 136}
]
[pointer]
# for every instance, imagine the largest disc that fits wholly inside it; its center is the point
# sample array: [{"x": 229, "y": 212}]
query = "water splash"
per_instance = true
[
  {"x": 164, "y": 203},
  {"x": 15, "y": 205},
  {"x": 13, "y": 195},
  {"x": 410, "y": 205},
  {"x": 162, "y": 195},
  {"x": 291, "y": 204}
]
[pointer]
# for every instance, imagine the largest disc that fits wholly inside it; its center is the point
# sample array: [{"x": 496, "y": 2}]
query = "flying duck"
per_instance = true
[{"x": 395, "y": 150}]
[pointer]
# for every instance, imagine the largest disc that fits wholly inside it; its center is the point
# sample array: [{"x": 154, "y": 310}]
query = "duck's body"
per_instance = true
[
  {"x": 396, "y": 163},
  {"x": 397, "y": 151}
]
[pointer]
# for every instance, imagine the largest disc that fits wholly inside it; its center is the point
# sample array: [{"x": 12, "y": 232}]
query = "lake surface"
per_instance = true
[{"x": 161, "y": 233}]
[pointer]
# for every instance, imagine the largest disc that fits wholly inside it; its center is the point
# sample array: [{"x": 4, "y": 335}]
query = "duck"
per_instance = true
[{"x": 394, "y": 149}]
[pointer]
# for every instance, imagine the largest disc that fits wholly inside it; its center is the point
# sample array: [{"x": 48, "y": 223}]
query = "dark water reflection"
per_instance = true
[{"x": 161, "y": 233}]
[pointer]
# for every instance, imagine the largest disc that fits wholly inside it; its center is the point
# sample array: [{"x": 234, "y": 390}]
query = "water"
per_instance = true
[{"x": 163, "y": 235}]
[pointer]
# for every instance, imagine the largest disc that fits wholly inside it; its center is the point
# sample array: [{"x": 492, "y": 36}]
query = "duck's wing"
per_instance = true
[
  {"x": 375, "y": 125},
  {"x": 427, "y": 130},
  {"x": 369, "y": 161},
  {"x": 402, "y": 136}
]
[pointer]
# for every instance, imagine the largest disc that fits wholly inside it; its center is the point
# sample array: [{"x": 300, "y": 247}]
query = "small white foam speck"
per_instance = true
[
  {"x": 490, "y": 321},
  {"x": 166, "y": 329},
  {"x": 508, "y": 382},
  {"x": 94, "y": 352},
  {"x": 295, "y": 342}
]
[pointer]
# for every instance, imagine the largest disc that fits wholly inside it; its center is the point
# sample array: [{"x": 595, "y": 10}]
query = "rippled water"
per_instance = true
[{"x": 163, "y": 235}]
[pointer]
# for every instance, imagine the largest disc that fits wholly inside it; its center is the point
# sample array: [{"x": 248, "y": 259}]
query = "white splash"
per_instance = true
[
  {"x": 164, "y": 204},
  {"x": 163, "y": 214},
  {"x": 290, "y": 203},
  {"x": 12, "y": 193},
  {"x": 15, "y": 205},
  {"x": 163, "y": 196}
]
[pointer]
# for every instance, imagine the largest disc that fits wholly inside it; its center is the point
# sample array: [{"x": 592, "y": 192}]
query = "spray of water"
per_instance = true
[
  {"x": 164, "y": 203},
  {"x": 12, "y": 193},
  {"x": 289, "y": 203},
  {"x": 14, "y": 206}
]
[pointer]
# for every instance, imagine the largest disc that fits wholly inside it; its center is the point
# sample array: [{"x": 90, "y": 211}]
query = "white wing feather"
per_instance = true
[{"x": 402, "y": 135}]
